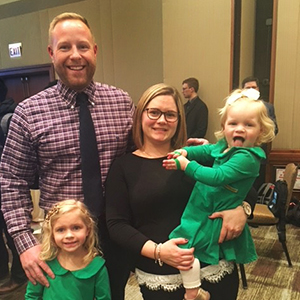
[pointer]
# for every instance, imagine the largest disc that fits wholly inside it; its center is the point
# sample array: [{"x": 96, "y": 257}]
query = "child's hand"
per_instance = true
[
  {"x": 178, "y": 163},
  {"x": 177, "y": 153}
]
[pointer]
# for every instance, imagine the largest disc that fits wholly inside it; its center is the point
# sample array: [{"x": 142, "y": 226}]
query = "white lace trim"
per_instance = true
[
  {"x": 170, "y": 283},
  {"x": 215, "y": 273}
]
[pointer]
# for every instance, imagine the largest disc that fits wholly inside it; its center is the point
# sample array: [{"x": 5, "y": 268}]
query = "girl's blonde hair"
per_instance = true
[
  {"x": 49, "y": 248},
  {"x": 243, "y": 96},
  {"x": 180, "y": 137}
]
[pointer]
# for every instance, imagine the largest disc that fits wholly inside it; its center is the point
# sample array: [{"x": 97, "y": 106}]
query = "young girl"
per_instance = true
[
  {"x": 236, "y": 160},
  {"x": 69, "y": 246}
]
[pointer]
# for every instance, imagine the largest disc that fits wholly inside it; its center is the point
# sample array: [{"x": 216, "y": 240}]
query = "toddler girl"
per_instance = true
[{"x": 235, "y": 161}]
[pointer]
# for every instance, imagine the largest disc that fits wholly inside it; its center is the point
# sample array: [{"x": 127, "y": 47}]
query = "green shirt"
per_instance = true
[
  {"x": 220, "y": 187},
  {"x": 88, "y": 283}
]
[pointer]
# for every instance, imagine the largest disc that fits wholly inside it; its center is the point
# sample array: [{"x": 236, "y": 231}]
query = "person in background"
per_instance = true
[
  {"x": 17, "y": 276},
  {"x": 236, "y": 160},
  {"x": 253, "y": 83},
  {"x": 196, "y": 112},
  {"x": 70, "y": 247},
  {"x": 7, "y": 106},
  {"x": 44, "y": 139},
  {"x": 149, "y": 201}
]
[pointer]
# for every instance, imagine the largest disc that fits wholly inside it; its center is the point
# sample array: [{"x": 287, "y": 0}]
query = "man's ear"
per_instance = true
[
  {"x": 95, "y": 49},
  {"x": 50, "y": 51}
]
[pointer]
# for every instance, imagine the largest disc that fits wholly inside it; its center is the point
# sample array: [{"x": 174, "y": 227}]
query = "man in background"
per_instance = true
[
  {"x": 196, "y": 112},
  {"x": 253, "y": 83}
]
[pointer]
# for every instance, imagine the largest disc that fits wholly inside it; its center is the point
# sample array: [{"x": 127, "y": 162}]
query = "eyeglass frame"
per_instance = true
[{"x": 162, "y": 113}]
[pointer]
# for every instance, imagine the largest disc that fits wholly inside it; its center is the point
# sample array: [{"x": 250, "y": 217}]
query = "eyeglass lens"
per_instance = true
[{"x": 155, "y": 114}]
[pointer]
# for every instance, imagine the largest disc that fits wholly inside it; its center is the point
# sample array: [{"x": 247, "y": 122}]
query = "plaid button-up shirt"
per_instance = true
[{"x": 44, "y": 138}]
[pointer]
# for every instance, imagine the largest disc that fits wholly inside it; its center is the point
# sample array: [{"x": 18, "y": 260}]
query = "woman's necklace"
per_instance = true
[{"x": 156, "y": 154}]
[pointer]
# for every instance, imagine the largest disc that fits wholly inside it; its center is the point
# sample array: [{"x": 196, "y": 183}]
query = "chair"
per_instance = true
[{"x": 262, "y": 216}]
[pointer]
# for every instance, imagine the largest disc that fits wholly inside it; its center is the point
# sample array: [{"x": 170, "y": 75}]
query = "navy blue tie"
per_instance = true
[{"x": 90, "y": 165}]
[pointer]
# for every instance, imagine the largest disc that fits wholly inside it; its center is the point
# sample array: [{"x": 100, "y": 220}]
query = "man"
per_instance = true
[
  {"x": 253, "y": 83},
  {"x": 17, "y": 275},
  {"x": 44, "y": 137},
  {"x": 196, "y": 112}
]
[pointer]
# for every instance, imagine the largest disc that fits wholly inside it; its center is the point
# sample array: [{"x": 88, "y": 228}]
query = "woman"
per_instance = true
[{"x": 145, "y": 202}]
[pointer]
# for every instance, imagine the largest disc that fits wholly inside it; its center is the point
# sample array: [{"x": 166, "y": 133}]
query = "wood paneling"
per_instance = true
[{"x": 24, "y": 82}]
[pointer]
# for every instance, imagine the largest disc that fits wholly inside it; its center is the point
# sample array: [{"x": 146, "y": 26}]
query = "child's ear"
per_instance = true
[
  {"x": 88, "y": 232},
  {"x": 261, "y": 132}
]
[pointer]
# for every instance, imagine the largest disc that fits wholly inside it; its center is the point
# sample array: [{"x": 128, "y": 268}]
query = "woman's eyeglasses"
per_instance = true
[{"x": 155, "y": 114}]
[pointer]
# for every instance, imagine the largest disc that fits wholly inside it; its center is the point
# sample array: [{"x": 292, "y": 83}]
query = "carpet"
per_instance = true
[{"x": 270, "y": 277}]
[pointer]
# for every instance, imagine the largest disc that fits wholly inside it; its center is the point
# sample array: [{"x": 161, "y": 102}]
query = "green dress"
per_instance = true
[
  {"x": 88, "y": 283},
  {"x": 222, "y": 187}
]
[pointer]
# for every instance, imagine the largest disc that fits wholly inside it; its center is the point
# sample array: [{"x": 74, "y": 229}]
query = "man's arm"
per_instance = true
[
  {"x": 272, "y": 116},
  {"x": 17, "y": 173},
  {"x": 17, "y": 168}
]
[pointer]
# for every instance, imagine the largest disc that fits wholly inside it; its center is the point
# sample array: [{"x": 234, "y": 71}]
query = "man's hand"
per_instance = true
[
  {"x": 34, "y": 267},
  {"x": 234, "y": 221},
  {"x": 196, "y": 142}
]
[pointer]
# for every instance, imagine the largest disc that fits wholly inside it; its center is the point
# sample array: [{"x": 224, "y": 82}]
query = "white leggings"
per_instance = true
[{"x": 191, "y": 278}]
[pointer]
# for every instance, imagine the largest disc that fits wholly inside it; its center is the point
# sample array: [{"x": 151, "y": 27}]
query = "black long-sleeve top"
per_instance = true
[{"x": 144, "y": 202}]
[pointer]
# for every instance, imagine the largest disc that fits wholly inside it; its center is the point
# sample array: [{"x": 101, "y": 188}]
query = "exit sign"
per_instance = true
[{"x": 15, "y": 50}]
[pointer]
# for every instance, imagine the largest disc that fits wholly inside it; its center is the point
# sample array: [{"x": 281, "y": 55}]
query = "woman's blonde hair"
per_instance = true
[
  {"x": 49, "y": 248},
  {"x": 240, "y": 96},
  {"x": 180, "y": 137}
]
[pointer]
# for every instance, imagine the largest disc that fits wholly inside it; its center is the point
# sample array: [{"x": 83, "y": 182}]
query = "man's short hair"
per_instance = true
[
  {"x": 192, "y": 83},
  {"x": 249, "y": 79},
  {"x": 63, "y": 17},
  {"x": 3, "y": 90}
]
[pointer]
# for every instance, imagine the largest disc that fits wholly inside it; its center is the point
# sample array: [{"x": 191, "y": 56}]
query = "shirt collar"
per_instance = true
[
  {"x": 69, "y": 95},
  {"x": 192, "y": 100},
  {"x": 223, "y": 145},
  {"x": 90, "y": 270}
]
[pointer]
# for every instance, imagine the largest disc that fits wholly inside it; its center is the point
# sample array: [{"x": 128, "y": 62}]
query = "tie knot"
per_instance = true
[{"x": 82, "y": 98}]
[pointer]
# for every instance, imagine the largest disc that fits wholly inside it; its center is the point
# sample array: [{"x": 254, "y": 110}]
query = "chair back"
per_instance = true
[{"x": 290, "y": 176}]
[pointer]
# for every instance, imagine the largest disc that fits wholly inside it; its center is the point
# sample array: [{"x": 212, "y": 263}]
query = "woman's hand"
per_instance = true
[
  {"x": 196, "y": 142},
  {"x": 171, "y": 254},
  {"x": 234, "y": 221}
]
